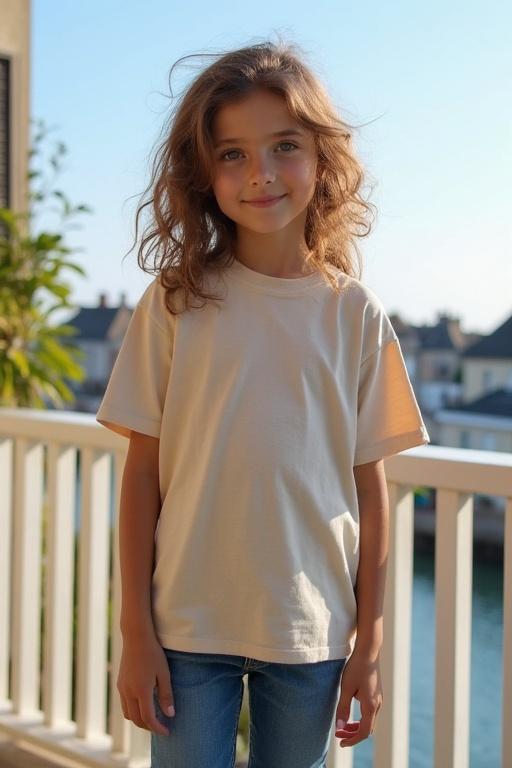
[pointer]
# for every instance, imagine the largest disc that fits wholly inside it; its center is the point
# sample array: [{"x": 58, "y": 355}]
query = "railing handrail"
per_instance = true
[
  {"x": 455, "y": 474},
  {"x": 447, "y": 467}
]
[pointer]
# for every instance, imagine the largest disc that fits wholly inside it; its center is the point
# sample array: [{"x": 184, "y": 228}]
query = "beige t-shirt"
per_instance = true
[{"x": 263, "y": 404}]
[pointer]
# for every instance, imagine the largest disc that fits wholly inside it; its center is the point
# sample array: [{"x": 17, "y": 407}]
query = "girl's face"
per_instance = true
[{"x": 261, "y": 151}]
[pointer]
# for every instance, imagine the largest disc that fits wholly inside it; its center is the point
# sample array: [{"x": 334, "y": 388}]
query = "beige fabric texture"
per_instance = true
[{"x": 263, "y": 403}]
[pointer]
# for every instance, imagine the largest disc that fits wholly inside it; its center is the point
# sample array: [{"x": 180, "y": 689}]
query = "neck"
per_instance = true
[{"x": 273, "y": 253}]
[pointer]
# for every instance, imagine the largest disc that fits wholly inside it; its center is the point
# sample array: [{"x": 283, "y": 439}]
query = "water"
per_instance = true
[
  {"x": 486, "y": 664},
  {"x": 486, "y": 669}
]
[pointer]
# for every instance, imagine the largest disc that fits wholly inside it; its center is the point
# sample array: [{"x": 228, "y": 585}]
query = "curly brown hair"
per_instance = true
[{"x": 189, "y": 233}]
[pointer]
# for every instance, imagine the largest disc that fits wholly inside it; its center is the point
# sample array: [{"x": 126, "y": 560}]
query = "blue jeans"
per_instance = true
[{"x": 291, "y": 711}]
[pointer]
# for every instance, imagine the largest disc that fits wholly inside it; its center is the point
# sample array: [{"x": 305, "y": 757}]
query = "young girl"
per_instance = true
[{"x": 260, "y": 384}]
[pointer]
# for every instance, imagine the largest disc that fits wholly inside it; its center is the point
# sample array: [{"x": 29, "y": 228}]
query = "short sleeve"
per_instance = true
[
  {"x": 388, "y": 417},
  {"x": 135, "y": 394}
]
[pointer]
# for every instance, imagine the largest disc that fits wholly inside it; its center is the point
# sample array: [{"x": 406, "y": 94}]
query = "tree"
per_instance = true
[{"x": 34, "y": 363}]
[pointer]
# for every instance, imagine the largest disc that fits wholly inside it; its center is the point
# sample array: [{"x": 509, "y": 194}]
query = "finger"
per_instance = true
[
  {"x": 348, "y": 736},
  {"x": 375, "y": 715},
  {"x": 163, "y": 690},
  {"x": 365, "y": 726},
  {"x": 123, "y": 705},
  {"x": 367, "y": 715},
  {"x": 352, "y": 725},
  {"x": 135, "y": 715},
  {"x": 134, "y": 712},
  {"x": 369, "y": 709},
  {"x": 350, "y": 729},
  {"x": 350, "y": 743},
  {"x": 350, "y": 740},
  {"x": 149, "y": 718}
]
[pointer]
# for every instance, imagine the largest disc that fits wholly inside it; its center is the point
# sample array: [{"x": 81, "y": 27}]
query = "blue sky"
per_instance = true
[{"x": 431, "y": 79}]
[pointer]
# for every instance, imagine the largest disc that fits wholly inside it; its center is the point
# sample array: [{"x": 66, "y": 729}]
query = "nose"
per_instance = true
[{"x": 261, "y": 170}]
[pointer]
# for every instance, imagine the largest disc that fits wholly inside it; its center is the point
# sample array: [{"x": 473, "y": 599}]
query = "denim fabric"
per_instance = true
[{"x": 291, "y": 710}]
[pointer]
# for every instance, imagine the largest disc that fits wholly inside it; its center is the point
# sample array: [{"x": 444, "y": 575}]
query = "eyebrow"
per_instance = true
[{"x": 286, "y": 132}]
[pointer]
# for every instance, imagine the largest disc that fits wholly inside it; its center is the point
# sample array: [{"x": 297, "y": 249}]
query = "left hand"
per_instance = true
[{"x": 361, "y": 680}]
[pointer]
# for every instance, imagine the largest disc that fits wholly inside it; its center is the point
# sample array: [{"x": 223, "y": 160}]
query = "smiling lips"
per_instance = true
[{"x": 264, "y": 202}]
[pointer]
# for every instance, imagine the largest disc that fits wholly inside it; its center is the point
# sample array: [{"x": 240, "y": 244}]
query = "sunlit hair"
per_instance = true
[{"x": 188, "y": 234}]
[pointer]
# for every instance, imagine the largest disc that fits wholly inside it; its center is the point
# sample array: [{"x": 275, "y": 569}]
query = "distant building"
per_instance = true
[
  {"x": 482, "y": 419},
  {"x": 100, "y": 334},
  {"x": 432, "y": 354},
  {"x": 463, "y": 382}
]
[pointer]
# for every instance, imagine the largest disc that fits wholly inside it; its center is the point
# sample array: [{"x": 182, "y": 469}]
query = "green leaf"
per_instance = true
[
  {"x": 62, "y": 291},
  {"x": 20, "y": 360},
  {"x": 41, "y": 362},
  {"x": 7, "y": 387},
  {"x": 75, "y": 268}
]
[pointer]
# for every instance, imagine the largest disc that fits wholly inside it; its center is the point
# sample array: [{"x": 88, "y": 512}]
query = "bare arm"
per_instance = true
[
  {"x": 361, "y": 677},
  {"x": 139, "y": 510},
  {"x": 374, "y": 536}
]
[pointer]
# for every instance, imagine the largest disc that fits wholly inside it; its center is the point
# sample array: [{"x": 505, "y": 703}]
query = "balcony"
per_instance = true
[{"x": 60, "y": 596}]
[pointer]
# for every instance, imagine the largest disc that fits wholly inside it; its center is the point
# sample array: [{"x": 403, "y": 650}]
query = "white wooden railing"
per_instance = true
[{"x": 38, "y": 459}]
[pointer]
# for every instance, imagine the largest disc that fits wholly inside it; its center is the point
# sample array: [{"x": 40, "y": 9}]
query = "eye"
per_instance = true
[
  {"x": 229, "y": 152},
  {"x": 224, "y": 156},
  {"x": 289, "y": 143}
]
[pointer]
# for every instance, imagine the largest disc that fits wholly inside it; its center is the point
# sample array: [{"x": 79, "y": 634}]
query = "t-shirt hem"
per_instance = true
[
  {"x": 257, "y": 652},
  {"x": 392, "y": 445}
]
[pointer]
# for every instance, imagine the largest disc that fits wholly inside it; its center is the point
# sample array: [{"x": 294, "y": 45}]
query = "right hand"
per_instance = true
[{"x": 143, "y": 666}]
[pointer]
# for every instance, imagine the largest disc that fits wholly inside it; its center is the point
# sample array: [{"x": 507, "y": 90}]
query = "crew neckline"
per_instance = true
[{"x": 272, "y": 284}]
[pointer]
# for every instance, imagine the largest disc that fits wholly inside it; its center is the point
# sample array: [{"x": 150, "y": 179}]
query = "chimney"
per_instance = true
[
  {"x": 449, "y": 319},
  {"x": 103, "y": 300}
]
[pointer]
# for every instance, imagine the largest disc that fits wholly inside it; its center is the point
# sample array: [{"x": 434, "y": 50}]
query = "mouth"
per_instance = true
[{"x": 264, "y": 202}]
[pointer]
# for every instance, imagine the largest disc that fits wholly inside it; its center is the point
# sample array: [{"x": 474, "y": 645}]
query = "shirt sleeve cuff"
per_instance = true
[
  {"x": 123, "y": 422},
  {"x": 392, "y": 445}
]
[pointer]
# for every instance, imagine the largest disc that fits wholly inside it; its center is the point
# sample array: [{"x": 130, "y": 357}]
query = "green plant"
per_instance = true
[{"x": 33, "y": 362}]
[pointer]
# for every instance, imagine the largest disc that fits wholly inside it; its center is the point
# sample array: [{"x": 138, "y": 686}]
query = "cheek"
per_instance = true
[
  {"x": 224, "y": 185},
  {"x": 303, "y": 174}
]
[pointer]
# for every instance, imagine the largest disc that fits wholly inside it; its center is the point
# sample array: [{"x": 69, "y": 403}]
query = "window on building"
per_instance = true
[
  {"x": 487, "y": 380},
  {"x": 5, "y": 79},
  {"x": 464, "y": 440},
  {"x": 488, "y": 441}
]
